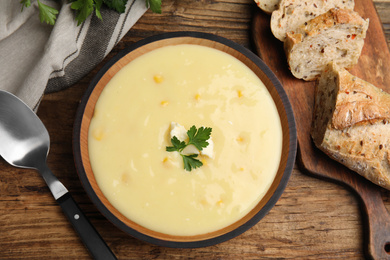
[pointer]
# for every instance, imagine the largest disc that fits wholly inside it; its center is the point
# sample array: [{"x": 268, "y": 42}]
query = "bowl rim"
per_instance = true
[{"x": 292, "y": 143}]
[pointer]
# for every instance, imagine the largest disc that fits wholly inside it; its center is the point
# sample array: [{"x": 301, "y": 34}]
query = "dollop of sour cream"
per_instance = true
[{"x": 181, "y": 133}]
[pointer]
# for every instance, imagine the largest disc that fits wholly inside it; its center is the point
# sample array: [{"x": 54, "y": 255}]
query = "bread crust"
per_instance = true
[
  {"x": 268, "y": 6},
  {"x": 329, "y": 19},
  {"x": 293, "y": 13},
  {"x": 337, "y": 35},
  {"x": 352, "y": 124}
]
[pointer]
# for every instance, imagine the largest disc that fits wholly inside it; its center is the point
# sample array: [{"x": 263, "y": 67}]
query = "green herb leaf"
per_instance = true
[
  {"x": 198, "y": 138},
  {"x": 190, "y": 162},
  {"x": 178, "y": 146},
  {"x": 117, "y": 5},
  {"x": 84, "y": 8},
  {"x": 25, "y": 3},
  {"x": 47, "y": 13},
  {"x": 98, "y": 5},
  {"x": 154, "y": 5}
]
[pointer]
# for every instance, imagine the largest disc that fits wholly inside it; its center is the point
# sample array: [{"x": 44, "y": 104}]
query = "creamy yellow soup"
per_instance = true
[{"x": 188, "y": 85}]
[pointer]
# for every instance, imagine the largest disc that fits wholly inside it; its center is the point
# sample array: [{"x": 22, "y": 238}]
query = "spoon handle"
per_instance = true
[{"x": 88, "y": 234}]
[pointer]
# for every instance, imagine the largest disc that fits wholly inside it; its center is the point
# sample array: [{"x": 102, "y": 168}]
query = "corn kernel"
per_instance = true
[
  {"x": 164, "y": 103},
  {"x": 240, "y": 139},
  {"x": 242, "y": 169},
  {"x": 239, "y": 93},
  {"x": 204, "y": 161},
  {"x": 220, "y": 202},
  {"x": 98, "y": 134},
  {"x": 125, "y": 178},
  {"x": 167, "y": 161},
  {"x": 158, "y": 78},
  {"x": 197, "y": 97}
]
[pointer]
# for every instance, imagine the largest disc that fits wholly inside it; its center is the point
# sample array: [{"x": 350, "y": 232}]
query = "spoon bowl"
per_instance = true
[
  {"x": 25, "y": 143},
  {"x": 24, "y": 140}
]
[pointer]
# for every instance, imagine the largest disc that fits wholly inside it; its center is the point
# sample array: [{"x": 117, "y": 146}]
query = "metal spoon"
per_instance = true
[{"x": 24, "y": 142}]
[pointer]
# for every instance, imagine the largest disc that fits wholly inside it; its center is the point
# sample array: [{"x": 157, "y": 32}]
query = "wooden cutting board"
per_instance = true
[{"x": 374, "y": 67}]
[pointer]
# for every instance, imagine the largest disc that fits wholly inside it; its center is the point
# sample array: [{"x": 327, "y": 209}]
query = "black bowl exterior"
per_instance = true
[{"x": 292, "y": 144}]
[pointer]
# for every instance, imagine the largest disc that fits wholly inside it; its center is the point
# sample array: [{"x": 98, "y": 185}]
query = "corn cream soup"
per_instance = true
[{"x": 184, "y": 85}]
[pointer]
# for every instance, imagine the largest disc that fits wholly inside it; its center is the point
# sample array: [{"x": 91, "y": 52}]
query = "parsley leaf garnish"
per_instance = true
[
  {"x": 84, "y": 8},
  {"x": 98, "y": 5},
  {"x": 47, "y": 13},
  {"x": 190, "y": 162},
  {"x": 25, "y": 3},
  {"x": 196, "y": 137},
  {"x": 117, "y": 5},
  {"x": 177, "y": 145},
  {"x": 154, "y": 5},
  {"x": 199, "y": 137}
]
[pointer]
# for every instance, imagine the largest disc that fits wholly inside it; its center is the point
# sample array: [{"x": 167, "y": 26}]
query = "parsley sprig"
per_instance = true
[
  {"x": 84, "y": 8},
  {"x": 196, "y": 137}
]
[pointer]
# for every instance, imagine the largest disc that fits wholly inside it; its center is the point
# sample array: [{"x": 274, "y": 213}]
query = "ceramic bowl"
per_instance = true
[{"x": 85, "y": 113}]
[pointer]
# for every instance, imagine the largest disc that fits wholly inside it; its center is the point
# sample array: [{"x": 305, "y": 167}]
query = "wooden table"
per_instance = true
[{"x": 313, "y": 219}]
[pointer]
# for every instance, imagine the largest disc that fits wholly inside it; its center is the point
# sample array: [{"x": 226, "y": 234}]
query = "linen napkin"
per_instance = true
[{"x": 36, "y": 58}]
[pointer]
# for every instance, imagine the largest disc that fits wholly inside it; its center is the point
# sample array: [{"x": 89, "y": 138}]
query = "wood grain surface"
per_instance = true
[{"x": 314, "y": 219}]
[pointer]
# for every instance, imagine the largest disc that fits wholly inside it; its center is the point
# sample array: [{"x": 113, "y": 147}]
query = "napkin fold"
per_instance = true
[{"x": 37, "y": 58}]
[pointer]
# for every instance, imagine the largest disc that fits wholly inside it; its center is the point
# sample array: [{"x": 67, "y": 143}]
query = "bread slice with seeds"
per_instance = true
[
  {"x": 338, "y": 36},
  {"x": 351, "y": 124},
  {"x": 268, "y": 6},
  {"x": 293, "y": 13}
]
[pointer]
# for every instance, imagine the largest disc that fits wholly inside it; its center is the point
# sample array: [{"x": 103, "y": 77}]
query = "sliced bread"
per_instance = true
[
  {"x": 268, "y": 6},
  {"x": 337, "y": 35},
  {"x": 293, "y": 13},
  {"x": 351, "y": 124}
]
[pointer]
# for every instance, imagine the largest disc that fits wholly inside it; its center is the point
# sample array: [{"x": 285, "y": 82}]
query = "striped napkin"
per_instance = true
[{"x": 37, "y": 58}]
